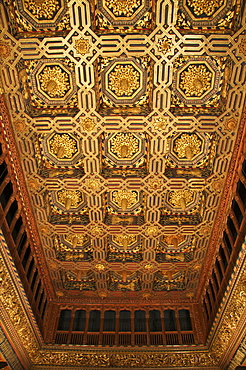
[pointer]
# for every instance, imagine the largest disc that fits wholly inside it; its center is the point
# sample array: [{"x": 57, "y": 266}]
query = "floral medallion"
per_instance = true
[
  {"x": 123, "y": 8},
  {"x": 164, "y": 45},
  {"x": 196, "y": 80},
  {"x": 124, "y": 145},
  {"x": 181, "y": 198},
  {"x": 42, "y": 9},
  {"x": 88, "y": 124},
  {"x": 124, "y": 199},
  {"x": 124, "y": 80},
  {"x": 124, "y": 240},
  {"x": 69, "y": 198},
  {"x": 54, "y": 81},
  {"x": 63, "y": 146},
  {"x": 82, "y": 46},
  {"x": 207, "y": 7},
  {"x": 187, "y": 146}
]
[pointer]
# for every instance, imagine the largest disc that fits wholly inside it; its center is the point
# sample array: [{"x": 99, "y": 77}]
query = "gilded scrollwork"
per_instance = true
[
  {"x": 124, "y": 8},
  {"x": 206, "y": 7},
  {"x": 132, "y": 359},
  {"x": 63, "y": 146},
  {"x": 54, "y": 81},
  {"x": 235, "y": 309},
  {"x": 124, "y": 80},
  {"x": 196, "y": 80},
  {"x": 124, "y": 145},
  {"x": 42, "y": 9},
  {"x": 10, "y": 301}
]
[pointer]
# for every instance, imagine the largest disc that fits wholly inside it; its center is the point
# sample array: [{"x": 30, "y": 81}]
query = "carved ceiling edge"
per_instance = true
[
  {"x": 5, "y": 125},
  {"x": 16, "y": 308},
  {"x": 222, "y": 213},
  {"x": 7, "y": 351},
  {"x": 229, "y": 326},
  {"x": 239, "y": 356},
  {"x": 16, "y": 312}
]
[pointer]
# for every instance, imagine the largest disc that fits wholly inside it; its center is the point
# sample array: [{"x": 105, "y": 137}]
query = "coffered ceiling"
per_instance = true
[{"x": 127, "y": 119}]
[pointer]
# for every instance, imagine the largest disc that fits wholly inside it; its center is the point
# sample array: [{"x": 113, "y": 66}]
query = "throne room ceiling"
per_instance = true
[{"x": 126, "y": 116}]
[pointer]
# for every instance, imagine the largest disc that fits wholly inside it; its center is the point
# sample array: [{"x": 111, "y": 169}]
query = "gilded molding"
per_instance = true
[
  {"x": 206, "y": 7},
  {"x": 124, "y": 8},
  {"x": 11, "y": 302},
  {"x": 195, "y": 81},
  {"x": 124, "y": 80},
  {"x": 234, "y": 314}
]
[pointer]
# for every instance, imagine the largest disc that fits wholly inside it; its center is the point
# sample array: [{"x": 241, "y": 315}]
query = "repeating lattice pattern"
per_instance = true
[{"x": 53, "y": 83}]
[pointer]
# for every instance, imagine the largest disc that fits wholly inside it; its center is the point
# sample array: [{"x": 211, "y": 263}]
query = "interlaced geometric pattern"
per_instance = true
[{"x": 77, "y": 74}]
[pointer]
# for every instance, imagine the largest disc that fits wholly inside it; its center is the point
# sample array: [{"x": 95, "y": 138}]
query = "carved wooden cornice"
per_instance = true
[{"x": 19, "y": 317}]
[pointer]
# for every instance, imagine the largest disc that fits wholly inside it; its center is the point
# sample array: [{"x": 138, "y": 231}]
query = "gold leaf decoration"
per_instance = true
[
  {"x": 206, "y": 7},
  {"x": 42, "y": 8},
  {"x": 69, "y": 198},
  {"x": 187, "y": 146},
  {"x": 123, "y": 7},
  {"x": 125, "y": 198},
  {"x": 63, "y": 146},
  {"x": 124, "y": 80},
  {"x": 124, "y": 145},
  {"x": 195, "y": 81},
  {"x": 181, "y": 198},
  {"x": 54, "y": 81}
]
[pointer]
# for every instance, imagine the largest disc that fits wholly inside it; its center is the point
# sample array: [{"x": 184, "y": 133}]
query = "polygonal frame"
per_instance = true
[
  {"x": 35, "y": 84},
  {"x": 61, "y": 162},
  {"x": 207, "y": 95},
  {"x": 137, "y": 94},
  {"x": 120, "y": 21},
  {"x": 124, "y": 162},
  {"x": 40, "y": 23},
  {"x": 208, "y": 21}
]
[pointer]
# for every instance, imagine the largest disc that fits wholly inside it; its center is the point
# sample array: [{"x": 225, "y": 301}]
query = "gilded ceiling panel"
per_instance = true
[{"x": 126, "y": 115}]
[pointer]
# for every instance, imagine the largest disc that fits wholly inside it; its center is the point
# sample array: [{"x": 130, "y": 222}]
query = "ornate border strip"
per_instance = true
[{"x": 233, "y": 318}]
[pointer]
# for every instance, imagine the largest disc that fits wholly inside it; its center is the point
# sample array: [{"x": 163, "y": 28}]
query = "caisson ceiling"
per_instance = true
[{"x": 123, "y": 122}]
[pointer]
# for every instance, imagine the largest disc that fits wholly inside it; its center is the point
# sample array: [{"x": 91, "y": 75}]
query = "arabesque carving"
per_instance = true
[
  {"x": 54, "y": 81},
  {"x": 206, "y": 7},
  {"x": 187, "y": 146},
  {"x": 82, "y": 46},
  {"x": 69, "y": 198},
  {"x": 124, "y": 80},
  {"x": 122, "y": 8},
  {"x": 196, "y": 80},
  {"x": 124, "y": 145},
  {"x": 124, "y": 198},
  {"x": 45, "y": 9},
  {"x": 124, "y": 240},
  {"x": 63, "y": 146},
  {"x": 181, "y": 198}
]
